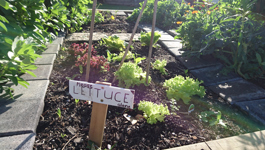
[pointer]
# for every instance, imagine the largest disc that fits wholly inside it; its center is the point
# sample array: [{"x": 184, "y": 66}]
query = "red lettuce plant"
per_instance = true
[
  {"x": 96, "y": 62},
  {"x": 81, "y": 49}
]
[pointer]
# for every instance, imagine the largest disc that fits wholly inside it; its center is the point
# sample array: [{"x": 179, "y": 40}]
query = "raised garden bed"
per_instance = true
[{"x": 73, "y": 125}]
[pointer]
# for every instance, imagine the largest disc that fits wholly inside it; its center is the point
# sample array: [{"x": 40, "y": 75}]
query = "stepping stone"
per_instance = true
[
  {"x": 172, "y": 44},
  {"x": 177, "y": 52},
  {"x": 127, "y": 36},
  {"x": 46, "y": 59},
  {"x": 22, "y": 113},
  {"x": 196, "y": 63},
  {"x": 250, "y": 141},
  {"x": 80, "y": 37},
  {"x": 118, "y": 13},
  {"x": 238, "y": 91},
  {"x": 43, "y": 72},
  {"x": 52, "y": 49},
  {"x": 148, "y": 28},
  {"x": 255, "y": 108},
  {"x": 166, "y": 37},
  {"x": 18, "y": 142},
  {"x": 172, "y": 32},
  {"x": 197, "y": 146},
  {"x": 212, "y": 76}
]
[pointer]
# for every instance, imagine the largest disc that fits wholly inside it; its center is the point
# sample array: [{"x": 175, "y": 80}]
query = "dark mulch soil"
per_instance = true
[{"x": 71, "y": 130}]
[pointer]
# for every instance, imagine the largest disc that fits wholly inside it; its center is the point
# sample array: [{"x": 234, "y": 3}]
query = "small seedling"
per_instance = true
[
  {"x": 76, "y": 101},
  {"x": 191, "y": 109},
  {"x": 63, "y": 135},
  {"x": 59, "y": 113},
  {"x": 213, "y": 118}
]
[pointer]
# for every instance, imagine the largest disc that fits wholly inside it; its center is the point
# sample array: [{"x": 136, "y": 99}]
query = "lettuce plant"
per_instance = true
[
  {"x": 146, "y": 38},
  {"x": 181, "y": 88},
  {"x": 130, "y": 74},
  {"x": 114, "y": 43},
  {"x": 114, "y": 57},
  {"x": 153, "y": 112},
  {"x": 160, "y": 65}
]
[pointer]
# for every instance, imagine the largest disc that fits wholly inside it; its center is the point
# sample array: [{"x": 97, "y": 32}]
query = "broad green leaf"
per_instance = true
[
  {"x": 4, "y": 4},
  {"x": 23, "y": 82},
  {"x": 31, "y": 73},
  {"x": 13, "y": 79},
  {"x": 3, "y": 26}
]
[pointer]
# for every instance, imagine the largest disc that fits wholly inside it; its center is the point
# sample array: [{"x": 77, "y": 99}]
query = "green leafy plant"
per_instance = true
[
  {"x": 213, "y": 118},
  {"x": 130, "y": 74},
  {"x": 160, "y": 65},
  {"x": 76, "y": 101},
  {"x": 165, "y": 17},
  {"x": 191, "y": 109},
  {"x": 153, "y": 112},
  {"x": 114, "y": 43},
  {"x": 16, "y": 58},
  {"x": 173, "y": 106},
  {"x": 181, "y": 88},
  {"x": 63, "y": 135},
  {"x": 239, "y": 41},
  {"x": 114, "y": 57},
  {"x": 146, "y": 38},
  {"x": 59, "y": 113}
]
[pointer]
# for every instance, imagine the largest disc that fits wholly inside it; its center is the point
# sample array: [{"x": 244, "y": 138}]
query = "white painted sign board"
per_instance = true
[{"x": 102, "y": 94}]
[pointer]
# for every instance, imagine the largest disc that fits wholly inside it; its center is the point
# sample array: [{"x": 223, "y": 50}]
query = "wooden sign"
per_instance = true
[{"x": 102, "y": 94}]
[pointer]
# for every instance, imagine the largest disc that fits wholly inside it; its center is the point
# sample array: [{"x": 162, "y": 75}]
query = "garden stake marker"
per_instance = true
[
  {"x": 131, "y": 39},
  {"x": 151, "y": 42},
  {"x": 102, "y": 94},
  {"x": 90, "y": 39}
]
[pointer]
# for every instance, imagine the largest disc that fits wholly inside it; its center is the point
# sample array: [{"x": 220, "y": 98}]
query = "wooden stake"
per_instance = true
[
  {"x": 131, "y": 39},
  {"x": 98, "y": 118},
  {"x": 151, "y": 41},
  {"x": 90, "y": 39}
]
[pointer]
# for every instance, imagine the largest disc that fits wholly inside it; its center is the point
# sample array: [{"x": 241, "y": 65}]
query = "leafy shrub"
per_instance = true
[
  {"x": 114, "y": 57},
  {"x": 167, "y": 12},
  {"x": 197, "y": 25},
  {"x": 239, "y": 40},
  {"x": 153, "y": 112},
  {"x": 16, "y": 62},
  {"x": 160, "y": 65},
  {"x": 114, "y": 43},
  {"x": 211, "y": 117},
  {"x": 181, "y": 88},
  {"x": 146, "y": 38},
  {"x": 130, "y": 74}
]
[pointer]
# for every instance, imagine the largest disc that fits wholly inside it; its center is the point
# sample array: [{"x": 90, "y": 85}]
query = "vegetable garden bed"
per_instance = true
[{"x": 68, "y": 126}]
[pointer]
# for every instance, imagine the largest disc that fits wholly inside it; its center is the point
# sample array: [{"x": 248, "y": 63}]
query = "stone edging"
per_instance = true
[{"x": 19, "y": 118}]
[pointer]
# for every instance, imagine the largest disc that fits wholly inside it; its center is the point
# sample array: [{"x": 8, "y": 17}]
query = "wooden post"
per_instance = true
[
  {"x": 151, "y": 41},
  {"x": 90, "y": 39},
  {"x": 131, "y": 39},
  {"x": 98, "y": 118}
]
